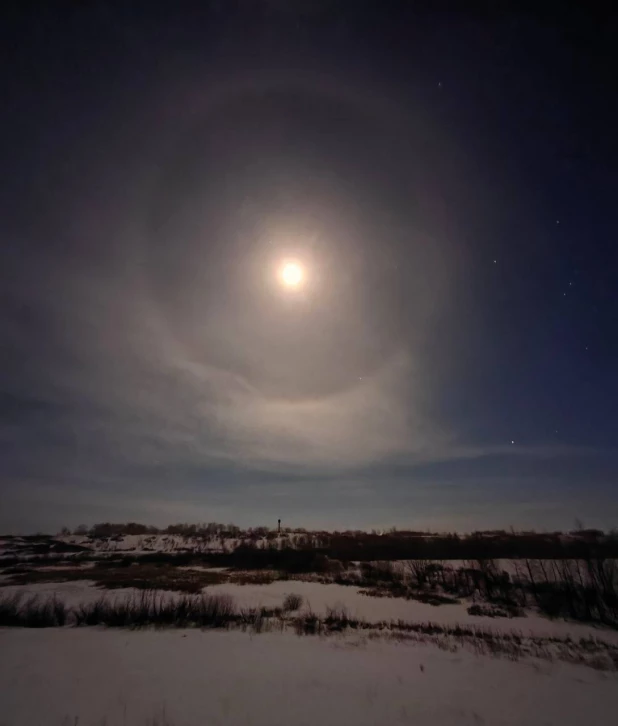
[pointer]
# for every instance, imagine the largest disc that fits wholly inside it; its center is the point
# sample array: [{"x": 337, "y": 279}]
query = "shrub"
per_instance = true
[
  {"x": 308, "y": 624},
  {"x": 292, "y": 602},
  {"x": 337, "y": 613}
]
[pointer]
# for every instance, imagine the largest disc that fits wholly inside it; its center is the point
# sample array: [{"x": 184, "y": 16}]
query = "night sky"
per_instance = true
[{"x": 446, "y": 184}]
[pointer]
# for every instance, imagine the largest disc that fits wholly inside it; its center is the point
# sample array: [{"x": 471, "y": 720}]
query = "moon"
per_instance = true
[{"x": 291, "y": 274}]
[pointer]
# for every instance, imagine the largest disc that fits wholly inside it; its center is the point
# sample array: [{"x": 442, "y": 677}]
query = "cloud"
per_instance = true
[
  {"x": 362, "y": 423},
  {"x": 133, "y": 400},
  {"x": 195, "y": 412}
]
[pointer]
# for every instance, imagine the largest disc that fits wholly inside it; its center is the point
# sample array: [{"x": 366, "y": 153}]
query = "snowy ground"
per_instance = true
[
  {"x": 89, "y": 676},
  {"x": 187, "y": 678}
]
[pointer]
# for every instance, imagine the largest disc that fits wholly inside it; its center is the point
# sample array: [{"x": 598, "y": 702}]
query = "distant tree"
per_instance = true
[{"x": 102, "y": 529}]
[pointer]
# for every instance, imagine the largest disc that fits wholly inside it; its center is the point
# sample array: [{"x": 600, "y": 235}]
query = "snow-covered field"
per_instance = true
[
  {"x": 319, "y": 598},
  {"x": 193, "y": 678},
  {"x": 90, "y": 675}
]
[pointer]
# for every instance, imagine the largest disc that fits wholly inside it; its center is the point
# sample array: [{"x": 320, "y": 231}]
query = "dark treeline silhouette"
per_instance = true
[
  {"x": 475, "y": 546},
  {"x": 392, "y": 545}
]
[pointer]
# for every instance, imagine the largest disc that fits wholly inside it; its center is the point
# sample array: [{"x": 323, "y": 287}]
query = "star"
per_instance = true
[
  {"x": 557, "y": 221},
  {"x": 512, "y": 442}
]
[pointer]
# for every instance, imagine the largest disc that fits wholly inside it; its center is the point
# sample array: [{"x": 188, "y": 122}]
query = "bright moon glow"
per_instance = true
[{"x": 291, "y": 274}]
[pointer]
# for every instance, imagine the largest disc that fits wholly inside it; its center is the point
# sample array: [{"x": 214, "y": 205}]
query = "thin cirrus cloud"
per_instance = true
[
  {"x": 125, "y": 389},
  {"x": 146, "y": 393},
  {"x": 132, "y": 398}
]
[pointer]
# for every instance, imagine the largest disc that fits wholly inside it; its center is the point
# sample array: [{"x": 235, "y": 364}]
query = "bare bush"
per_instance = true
[
  {"x": 579, "y": 589},
  {"x": 152, "y": 608},
  {"x": 292, "y": 602}
]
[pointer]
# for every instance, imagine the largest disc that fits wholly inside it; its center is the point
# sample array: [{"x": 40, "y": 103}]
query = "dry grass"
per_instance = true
[
  {"x": 153, "y": 609},
  {"x": 15, "y": 611},
  {"x": 292, "y": 602}
]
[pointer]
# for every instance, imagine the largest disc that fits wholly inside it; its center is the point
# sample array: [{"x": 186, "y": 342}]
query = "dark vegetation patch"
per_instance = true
[
  {"x": 366, "y": 547},
  {"x": 494, "y": 611},
  {"x": 16, "y": 569},
  {"x": 16, "y": 611},
  {"x": 33, "y": 561},
  {"x": 42, "y": 545},
  {"x": 255, "y": 577},
  {"x": 428, "y": 598},
  {"x": 143, "y": 577},
  {"x": 292, "y": 602},
  {"x": 286, "y": 559},
  {"x": 150, "y": 609},
  {"x": 582, "y": 590}
]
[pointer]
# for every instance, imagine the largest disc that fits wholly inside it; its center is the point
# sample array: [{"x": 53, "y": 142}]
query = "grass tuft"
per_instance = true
[
  {"x": 292, "y": 602},
  {"x": 32, "y": 613}
]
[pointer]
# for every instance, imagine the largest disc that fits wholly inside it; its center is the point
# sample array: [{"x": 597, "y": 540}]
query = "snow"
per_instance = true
[
  {"x": 145, "y": 543},
  {"x": 189, "y": 678}
]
